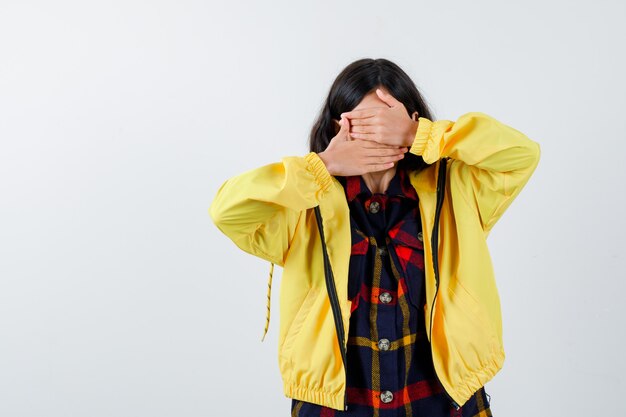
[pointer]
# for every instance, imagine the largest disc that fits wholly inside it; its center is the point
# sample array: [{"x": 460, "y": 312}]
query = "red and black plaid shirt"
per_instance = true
[{"x": 390, "y": 370}]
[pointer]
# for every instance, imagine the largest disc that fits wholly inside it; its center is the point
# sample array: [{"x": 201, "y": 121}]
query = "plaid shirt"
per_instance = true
[{"x": 389, "y": 364}]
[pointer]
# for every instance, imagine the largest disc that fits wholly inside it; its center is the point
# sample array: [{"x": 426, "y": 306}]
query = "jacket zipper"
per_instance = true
[
  {"x": 334, "y": 301},
  {"x": 441, "y": 182}
]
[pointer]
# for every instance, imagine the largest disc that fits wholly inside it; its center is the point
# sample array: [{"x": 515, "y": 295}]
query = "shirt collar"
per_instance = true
[{"x": 400, "y": 185}]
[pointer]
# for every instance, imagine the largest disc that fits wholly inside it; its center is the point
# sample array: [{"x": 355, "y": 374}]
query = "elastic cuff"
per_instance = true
[
  {"x": 428, "y": 139},
  {"x": 316, "y": 166},
  {"x": 421, "y": 136}
]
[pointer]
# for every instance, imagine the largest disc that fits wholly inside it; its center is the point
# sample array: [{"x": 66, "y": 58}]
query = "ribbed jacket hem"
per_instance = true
[
  {"x": 474, "y": 380},
  {"x": 325, "y": 398}
]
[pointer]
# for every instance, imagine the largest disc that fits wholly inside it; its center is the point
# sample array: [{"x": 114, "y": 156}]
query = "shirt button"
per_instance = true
[
  {"x": 385, "y": 297},
  {"x": 386, "y": 396},
  {"x": 382, "y": 251},
  {"x": 383, "y": 344},
  {"x": 374, "y": 207},
  {"x": 420, "y": 236}
]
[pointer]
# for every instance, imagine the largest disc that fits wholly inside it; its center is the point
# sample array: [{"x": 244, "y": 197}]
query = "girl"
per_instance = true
[{"x": 388, "y": 299}]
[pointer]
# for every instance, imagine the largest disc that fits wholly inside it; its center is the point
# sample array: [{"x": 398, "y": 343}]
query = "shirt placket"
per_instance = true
[{"x": 383, "y": 310}]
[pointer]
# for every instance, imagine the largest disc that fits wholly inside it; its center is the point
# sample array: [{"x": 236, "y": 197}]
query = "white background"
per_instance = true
[{"x": 119, "y": 120}]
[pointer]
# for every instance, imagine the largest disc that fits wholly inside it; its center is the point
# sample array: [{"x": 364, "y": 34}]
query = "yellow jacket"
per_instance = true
[{"x": 270, "y": 212}]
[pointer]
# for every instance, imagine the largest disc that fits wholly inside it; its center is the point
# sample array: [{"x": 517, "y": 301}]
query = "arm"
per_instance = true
[
  {"x": 494, "y": 161},
  {"x": 259, "y": 209}
]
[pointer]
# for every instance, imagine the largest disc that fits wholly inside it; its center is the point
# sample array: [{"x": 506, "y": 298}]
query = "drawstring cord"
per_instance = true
[{"x": 269, "y": 294}]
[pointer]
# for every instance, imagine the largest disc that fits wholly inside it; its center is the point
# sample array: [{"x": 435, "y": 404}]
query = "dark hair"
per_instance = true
[{"x": 356, "y": 81}]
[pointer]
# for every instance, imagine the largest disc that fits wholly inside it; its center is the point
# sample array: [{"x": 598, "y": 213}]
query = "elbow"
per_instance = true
[
  {"x": 217, "y": 210},
  {"x": 535, "y": 153},
  {"x": 217, "y": 215},
  {"x": 529, "y": 153}
]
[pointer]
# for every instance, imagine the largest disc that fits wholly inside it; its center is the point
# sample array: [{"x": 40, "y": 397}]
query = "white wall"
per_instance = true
[{"x": 119, "y": 120}]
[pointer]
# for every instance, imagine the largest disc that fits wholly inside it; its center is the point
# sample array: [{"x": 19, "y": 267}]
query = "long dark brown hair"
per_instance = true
[{"x": 354, "y": 82}]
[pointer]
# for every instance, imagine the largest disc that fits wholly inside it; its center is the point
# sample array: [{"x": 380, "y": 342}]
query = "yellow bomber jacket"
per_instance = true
[{"x": 270, "y": 212}]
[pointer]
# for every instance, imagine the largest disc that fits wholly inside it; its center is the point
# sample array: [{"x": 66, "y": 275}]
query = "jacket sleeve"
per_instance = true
[
  {"x": 259, "y": 209},
  {"x": 493, "y": 160}
]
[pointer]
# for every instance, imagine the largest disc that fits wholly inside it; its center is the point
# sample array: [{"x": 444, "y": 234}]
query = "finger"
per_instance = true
[
  {"x": 375, "y": 127},
  {"x": 369, "y": 121},
  {"x": 365, "y": 136},
  {"x": 370, "y": 144},
  {"x": 373, "y": 160},
  {"x": 377, "y": 144},
  {"x": 379, "y": 167},
  {"x": 342, "y": 133},
  {"x": 345, "y": 132},
  {"x": 361, "y": 113},
  {"x": 388, "y": 98},
  {"x": 384, "y": 151},
  {"x": 365, "y": 127},
  {"x": 343, "y": 127}
]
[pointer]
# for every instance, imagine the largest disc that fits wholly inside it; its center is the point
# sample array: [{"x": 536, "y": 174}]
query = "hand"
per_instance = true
[
  {"x": 389, "y": 126},
  {"x": 346, "y": 157}
]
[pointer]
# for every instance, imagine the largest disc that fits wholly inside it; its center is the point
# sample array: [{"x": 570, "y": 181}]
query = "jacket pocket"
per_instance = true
[{"x": 298, "y": 321}]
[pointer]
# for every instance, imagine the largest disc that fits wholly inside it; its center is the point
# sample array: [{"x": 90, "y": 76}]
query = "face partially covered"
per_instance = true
[{"x": 370, "y": 100}]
